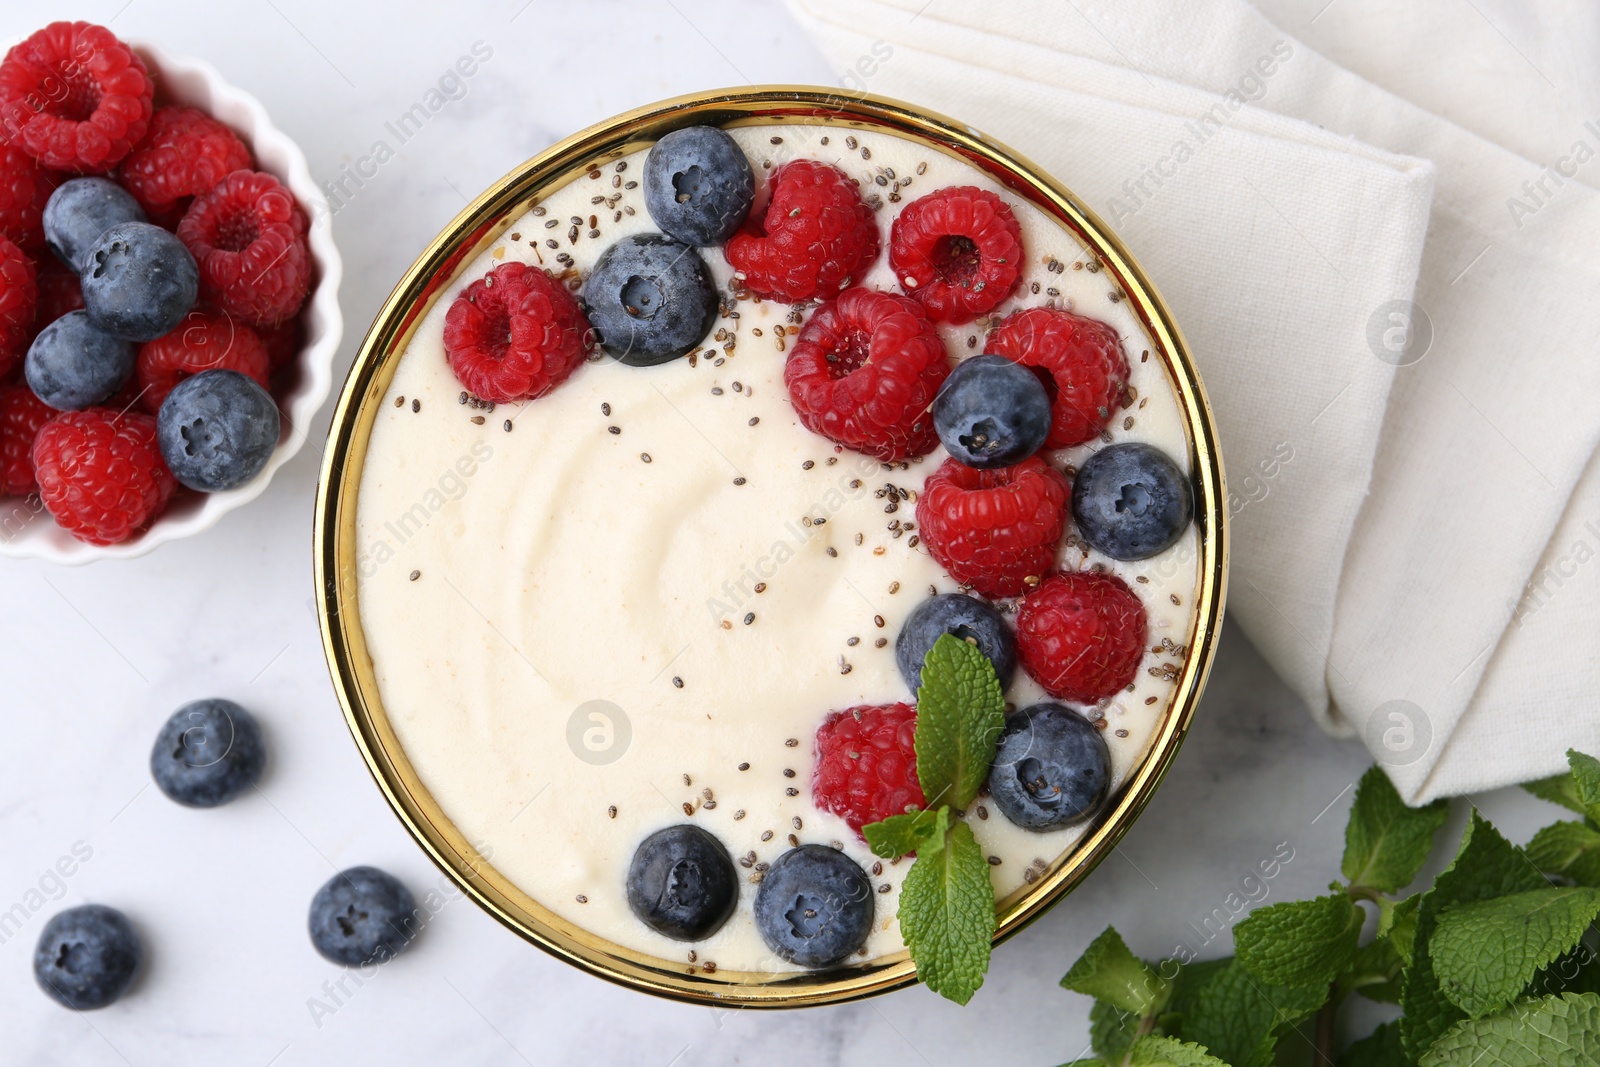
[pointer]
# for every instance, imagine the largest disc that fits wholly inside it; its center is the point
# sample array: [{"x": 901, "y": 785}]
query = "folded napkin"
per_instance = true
[{"x": 1394, "y": 311}]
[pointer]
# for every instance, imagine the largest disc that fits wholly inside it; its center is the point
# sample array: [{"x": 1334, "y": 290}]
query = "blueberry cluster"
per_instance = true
[
  {"x": 650, "y": 297},
  {"x": 218, "y": 428},
  {"x": 206, "y": 754}
]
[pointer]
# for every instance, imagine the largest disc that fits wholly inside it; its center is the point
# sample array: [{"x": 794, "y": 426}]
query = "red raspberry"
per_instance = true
[
  {"x": 957, "y": 250},
  {"x": 203, "y": 340},
  {"x": 283, "y": 343},
  {"x": 815, "y": 238},
  {"x": 994, "y": 530},
  {"x": 1081, "y": 635},
  {"x": 74, "y": 97},
  {"x": 19, "y": 301},
  {"x": 515, "y": 334},
  {"x": 186, "y": 153},
  {"x": 21, "y": 415},
  {"x": 1085, "y": 371},
  {"x": 867, "y": 764},
  {"x": 100, "y": 473},
  {"x": 59, "y": 293},
  {"x": 25, "y": 186},
  {"x": 863, "y": 372},
  {"x": 247, "y": 236}
]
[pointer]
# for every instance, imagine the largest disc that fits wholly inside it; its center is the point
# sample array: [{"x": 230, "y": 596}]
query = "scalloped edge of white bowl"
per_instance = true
[{"x": 196, "y": 83}]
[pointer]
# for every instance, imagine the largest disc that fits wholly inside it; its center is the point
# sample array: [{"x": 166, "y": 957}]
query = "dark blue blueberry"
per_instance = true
[
  {"x": 991, "y": 412},
  {"x": 814, "y": 906},
  {"x": 207, "y": 753},
  {"x": 650, "y": 298},
  {"x": 698, "y": 185},
  {"x": 966, "y": 617},
  {"x": 82, "y": 209},
  {"x": 217, "y": 429},
  {"x": 363, "y": 915},
  {"x": 682, "y": 884},
  {"x": 87, "y": 956},
  {"x": 1131, "y": 501},
  {"x": 138, "y": 281},
  {"x": 73, "y": 364},
  {"x": 1052, "y": 769}
]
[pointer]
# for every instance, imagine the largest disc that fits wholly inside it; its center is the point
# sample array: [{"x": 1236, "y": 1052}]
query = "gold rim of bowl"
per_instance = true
[{"x": 474, "y": 230}]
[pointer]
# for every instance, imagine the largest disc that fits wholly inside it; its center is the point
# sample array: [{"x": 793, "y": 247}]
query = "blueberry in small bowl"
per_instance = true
[
  {"x": 80, "y": 210},
  {"x": 217, "y": 430},
  {"x": 73, "y": 364},
  {"x": 139, "y": 281}
]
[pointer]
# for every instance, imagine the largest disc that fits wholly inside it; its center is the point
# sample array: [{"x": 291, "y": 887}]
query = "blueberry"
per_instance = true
[
  {"x": 682, "y": 884},
  {"x": 82, "y": 209},
  {"x": 1052, "y": 769},
  {"x": 363, "y": 915},
  {"x": 87, "y": 956},
  {"x": 207, "y": 753},
  {"x": 966, "y": 617},
  {"x": 698, "y": 185},
  {"x": 74, "y": 364},
  {"x": 650, "y": 298},
  {"x": 814, "y": 906},
  {"x": 138, "y": 281},
  {"x": 217, "y": 429},
  {"x": 1131, "y": 501},
  {"x": 991, "y": 412}
]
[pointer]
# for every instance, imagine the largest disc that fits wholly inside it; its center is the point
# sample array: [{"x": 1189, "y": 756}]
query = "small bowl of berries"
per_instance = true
[{"x": 168, "y": 296}]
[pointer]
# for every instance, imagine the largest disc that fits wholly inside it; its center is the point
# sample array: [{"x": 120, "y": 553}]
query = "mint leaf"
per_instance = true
[
  {"x": 960, "y": 713},
  {"x": 1398, "y": 925},
  {"x": 1239, "y": 1018},
  {"x": 1568, "y": 849},
  {"x": 1484, "y": 952},
  {"x": 1485, "y": 867},
  {"x": 1385, "y": 842},
  {"x": 1190, "y": 979},
  {"x": 1578, "y": 790},
  {"x": 1155, "y": 1051},
  {"x": 1299, "y": 942},
  {"x": 1374, "y": 973},
  {"x": 921, "y": 832},
  {"x": 947, "y": 914},
  {"x": 1381, "y": 1048},
  {"x": 1562, "y": 1030},
  {"x": 1108, "y": 971},
  {"x": 1112, "y": 1031},
  {"x": 1558, "y": 789}
]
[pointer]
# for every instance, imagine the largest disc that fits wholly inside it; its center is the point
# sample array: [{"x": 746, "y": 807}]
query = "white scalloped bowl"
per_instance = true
[{"x": 26, "y": 529}]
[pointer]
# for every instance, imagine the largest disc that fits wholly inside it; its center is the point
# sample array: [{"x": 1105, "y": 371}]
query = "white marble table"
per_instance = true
[{"x": 95, "y": 658}]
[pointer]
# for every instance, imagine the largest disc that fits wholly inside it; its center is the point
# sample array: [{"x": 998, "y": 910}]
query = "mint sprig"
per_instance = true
[
  {"x": 946, "y": 914},
  {"x": 1493, "y": 965}
]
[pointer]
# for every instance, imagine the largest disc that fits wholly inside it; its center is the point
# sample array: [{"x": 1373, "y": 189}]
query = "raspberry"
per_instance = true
[
  {"x": 204, "y": 340},
  {"x": 100, "y": 473},
  {"x": 25, "y": 186},
  {"x": 863, "y": 372},
  {"x": 515, "y": 334},
  {"x": 74, "y": 97},
  {"x": 21, "y": 415},
  {"x": 186, "y": 153},
  {"x": 815, "y": 237},
  {"x": 59, "y": 293},
  {"x": 867, "y": 764},
  {"x": 1081, "y": 635},
  {"x": 247, "y": 236},
  {"x": 994, "y": 530},
  {"x": 957, "y": 250},
  {"x": 283, "y": 343},
  {"x": 1080, "y": 362},
  {"x": 19, "y": 300}
]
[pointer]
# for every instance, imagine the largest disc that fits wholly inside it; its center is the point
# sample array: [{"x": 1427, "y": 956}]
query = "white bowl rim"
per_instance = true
[{"x": 323, "y": 324}]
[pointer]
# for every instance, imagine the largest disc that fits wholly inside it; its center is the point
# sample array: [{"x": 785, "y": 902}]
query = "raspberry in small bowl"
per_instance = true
[{"x": 170, "y": 131}]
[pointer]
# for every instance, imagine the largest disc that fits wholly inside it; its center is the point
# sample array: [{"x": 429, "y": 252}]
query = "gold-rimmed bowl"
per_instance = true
[{"x": 475, "y": 230}]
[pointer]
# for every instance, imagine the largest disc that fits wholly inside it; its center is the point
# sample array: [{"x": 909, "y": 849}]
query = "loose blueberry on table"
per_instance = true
[
  {"x": 87, "y": 957},
  {"x": 207, "y": 753},
  {"x": 362, "y": 915}
]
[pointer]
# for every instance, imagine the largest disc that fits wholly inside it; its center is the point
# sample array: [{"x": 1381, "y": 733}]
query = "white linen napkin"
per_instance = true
[{"x": 1398, "y": 334}]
